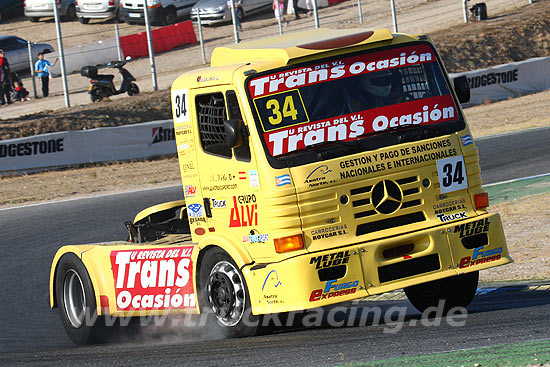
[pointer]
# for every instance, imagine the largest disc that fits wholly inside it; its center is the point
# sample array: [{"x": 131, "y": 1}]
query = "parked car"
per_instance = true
[
  {"x": 36, "y": 9},
  {"x": 97, "y": 9},
  {"x": 17, "y": 52},
  {"x": 10, "y": 8},
  {"x": 160, "y": 11},
  {"x": 216, "y": 11}
]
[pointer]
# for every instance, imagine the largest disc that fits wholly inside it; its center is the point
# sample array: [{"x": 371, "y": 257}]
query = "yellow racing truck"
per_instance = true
[{"x": 317, "y": 167}]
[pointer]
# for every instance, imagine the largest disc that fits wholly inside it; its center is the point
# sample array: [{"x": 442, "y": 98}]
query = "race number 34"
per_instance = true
[
  {"x": 180, "y": 105},
  {"x": 452, "y": 174}
]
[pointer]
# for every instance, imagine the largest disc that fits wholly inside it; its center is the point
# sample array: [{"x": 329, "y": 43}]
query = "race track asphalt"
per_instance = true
[{"x": 32, "y": 334}]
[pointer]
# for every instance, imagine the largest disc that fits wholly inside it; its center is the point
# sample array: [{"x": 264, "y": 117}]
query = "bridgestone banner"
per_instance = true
[
  {"x": 77, "y": 147},
  {"x": 507, "y": 81}
]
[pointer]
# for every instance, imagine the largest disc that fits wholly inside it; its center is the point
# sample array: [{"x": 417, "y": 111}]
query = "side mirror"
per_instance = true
[
  {"x": 462, "y": 89},
  {"x": 233, "y": 133}
]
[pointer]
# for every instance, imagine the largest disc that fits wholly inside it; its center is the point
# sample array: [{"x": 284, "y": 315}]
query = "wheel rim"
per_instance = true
[
  {"x": 74, "y": 298},
  {"x": 226, "y": 293}
]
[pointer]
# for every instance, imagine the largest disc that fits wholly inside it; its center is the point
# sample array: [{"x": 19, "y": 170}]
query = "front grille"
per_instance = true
[
  {"x": 384, "y": 217},
  {"x": 408, "y": 268}
]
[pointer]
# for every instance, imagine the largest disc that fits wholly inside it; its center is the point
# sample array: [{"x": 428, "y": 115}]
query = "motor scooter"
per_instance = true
[{"x": 102, "y": 85}]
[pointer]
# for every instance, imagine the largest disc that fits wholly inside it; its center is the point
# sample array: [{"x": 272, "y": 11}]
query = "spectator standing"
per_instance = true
[
  {"x": 309, "y": 7},
  {"x": 42, "y": 67},
  {"x": 279, "y": 10},
  {"x": 235, "y": 12},
  {"x": 5, "y": 79}
]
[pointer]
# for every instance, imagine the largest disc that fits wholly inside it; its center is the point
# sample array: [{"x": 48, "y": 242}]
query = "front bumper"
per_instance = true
[
  {"x": 137, "y": 15},
  {"x": 98, "y": 14},
  {"x": 212, "y": 17},
  {"x": 357, "y": 271}
]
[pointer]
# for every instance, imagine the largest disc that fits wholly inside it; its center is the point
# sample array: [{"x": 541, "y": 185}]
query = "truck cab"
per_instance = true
[{"x": 317, "y": 167}]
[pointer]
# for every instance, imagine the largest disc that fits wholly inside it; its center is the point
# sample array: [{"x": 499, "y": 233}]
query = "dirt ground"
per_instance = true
[{"x": 516, "y": 33}]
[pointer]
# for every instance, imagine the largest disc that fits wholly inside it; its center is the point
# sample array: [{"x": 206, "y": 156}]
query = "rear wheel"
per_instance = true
[
  {"x": 84, "y": 20},
  {"x": 95, "y": 95},
  {"x": 133, "y": 90},
  {"x": 71, "y": 13},
  {"x": 224, "y": 292},
  {"x": 35, "y": 19},
  {"x": 170, "y": 16},
  {"x": 456, "y": 291},
  {"x": 76, "y": 301}
]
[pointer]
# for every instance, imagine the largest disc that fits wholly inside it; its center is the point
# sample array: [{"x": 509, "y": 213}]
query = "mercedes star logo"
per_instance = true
[{"x": 386, "y": 197}]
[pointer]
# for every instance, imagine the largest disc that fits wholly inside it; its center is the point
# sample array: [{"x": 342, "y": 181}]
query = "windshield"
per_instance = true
[{"x": 303, "y": 110}]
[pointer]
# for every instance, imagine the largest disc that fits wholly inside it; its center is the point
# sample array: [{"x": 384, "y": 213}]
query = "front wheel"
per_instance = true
[
  {"x": 76, "y": 301},
  {"x": 456, "y": 291},
  {"x": 223, "y": 291},
  {"x": 133, "y": 90},
  {"x": 35, "y": 19}
]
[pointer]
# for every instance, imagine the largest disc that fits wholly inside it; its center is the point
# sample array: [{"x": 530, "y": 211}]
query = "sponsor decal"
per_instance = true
[
  {"x": 187, "y": 166},
  {"x": 453, "y": 206},
  {"x": 153, "y": 279},
  {"x": 472, "y": 228},
  {"x": 32, "y": 148},
  {"x": 282, "y": 180},
  {"x": 253, "y": 178},
  {"x": 244, "y": 212},
  {"x": 354, "y": 126},
  {"x": 222, "y": 177},
  {"x": 242, "y": 175},
  {"x": 443, "y": 218},
  {"x": 161, "y": 134},
  {"x": 317, "y": 177},
  {"x": 339, "y": 69},
  {"x": 396, "y": 158},
  {"x": 327, "y": 232},
  {"x": 255, "y": 237},
  {"x": 272, "y": 279},
  {"x": 184, "y": 146},
  {"x": 218, "y": 203},
  {"x": 329, "y": 260},
  {"x": 466, "y": 140},
  {"x": 203, "y": 79},
  {"x": 190, "y": 191},
  {"x": 493, "y": 78},
  {"x": 195, "y": 210},
  {"x": 481, "y": 257},
  {"x": 333, "y": 289},
  {"x": 220, "y": 187}
]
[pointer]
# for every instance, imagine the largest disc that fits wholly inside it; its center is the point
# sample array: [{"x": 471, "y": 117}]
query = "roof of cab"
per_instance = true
[{"x": 296, "y": 45}]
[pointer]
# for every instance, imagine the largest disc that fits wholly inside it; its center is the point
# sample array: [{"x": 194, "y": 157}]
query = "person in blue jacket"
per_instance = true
[{"x": 41, "y": 68}]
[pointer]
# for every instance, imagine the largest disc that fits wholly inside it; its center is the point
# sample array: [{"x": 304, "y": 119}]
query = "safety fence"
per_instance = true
[{"x": 403, "y": 15}]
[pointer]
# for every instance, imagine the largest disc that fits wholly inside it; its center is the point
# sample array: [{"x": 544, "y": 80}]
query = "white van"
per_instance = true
[
  {"x": 36, "y": 9},
  {"x": 160, "y": 11},
  {"x": 97, "y": 9}
]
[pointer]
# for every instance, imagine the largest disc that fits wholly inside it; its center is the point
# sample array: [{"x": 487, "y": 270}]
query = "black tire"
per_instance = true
[
  {"x": 170, "y": 16},
  {"x": 95, "y": 95},
  {"x": 223, "y": 293},
  {"x": 119, "y": 18},
  {"x": 84, "y": 20},
  {"x": 71, "y": 13},
  {"x": 133, "y": 90},
  {"x": 76, "y": 301},
  {"x": 35, "y": 19},
  {"x": 457, "y": 291}
]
